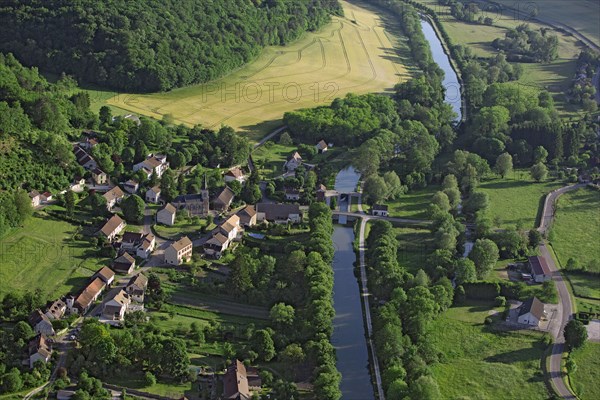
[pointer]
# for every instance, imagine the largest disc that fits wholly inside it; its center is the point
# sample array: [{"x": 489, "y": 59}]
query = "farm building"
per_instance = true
[{"x": 539, "y": 269}]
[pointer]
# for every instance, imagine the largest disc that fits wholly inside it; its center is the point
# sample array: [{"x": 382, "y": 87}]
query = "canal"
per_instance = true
[
  {"x": 451, "y": 82},
  {"x": 348, "y": 329}
]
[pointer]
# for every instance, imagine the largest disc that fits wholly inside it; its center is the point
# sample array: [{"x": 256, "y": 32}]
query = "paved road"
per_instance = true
[
  {"x": 270, "y": 136},
  {"x": 62, "y": 347},
  {"x": 365, "y": 299},
  {"x": 565, "y": 305}
]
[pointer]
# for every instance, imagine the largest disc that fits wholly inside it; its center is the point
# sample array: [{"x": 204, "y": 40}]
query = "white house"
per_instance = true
[
  {"x": 234, "y": 174},
  {"x": 322, "y": 147},
  {"x": 379, "y": 210},
  {"x": 146, "y": 247},
  {"x": 124, "y": 264},
  {"x": 78, "y": 184},
  {"x": 131, "y": 186},
  {"x": 106, "y": 274},
  {"x": 293, "y": 162},
  {"x": 115, "y": 305},
  {"x": 292, "y": 194},
  {"x": 113, "y": 227},
  {"x": 247, "y": 216},
  {"x": 231, "y": 227},
  {"x": 84, "y": 159},
  {"x": 179, "y": 252},
  {"x": 39, "y": 350},
  {"x": 56, "y": 310},
  {"x": 154, "y": 164},
  {"x": 136, "y": 287},
  {"x": 113, "y": 197},
  {"x": 166, "y": 215},
  {"x": 46, "y": 197},
  {"x": 41, "y": 323},
  {"x": 99, "y": 177},
  {"x": 153, "y": 194},
  {"x": 531, "y": 312},
  {"x": 216, "y": 245},
  {"x": 35, "y": 197}
]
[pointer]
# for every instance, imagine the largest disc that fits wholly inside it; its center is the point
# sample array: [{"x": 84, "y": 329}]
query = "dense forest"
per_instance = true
[{"x": 151, "y": 45}]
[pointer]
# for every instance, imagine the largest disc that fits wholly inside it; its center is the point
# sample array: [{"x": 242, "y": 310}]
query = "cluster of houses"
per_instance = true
[{"x": 113, "y": 308}]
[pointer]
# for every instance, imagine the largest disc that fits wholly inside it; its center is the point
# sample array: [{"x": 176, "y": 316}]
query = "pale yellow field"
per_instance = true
[{"x": 362, "y": 52}]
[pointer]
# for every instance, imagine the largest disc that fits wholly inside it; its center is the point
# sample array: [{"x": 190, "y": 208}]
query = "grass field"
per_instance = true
[
  {"x": 362, "y": 52},
  {"x": 480, "y": 363},
  {"x": 183, "y": 227},
  {"x": 516, "y": 200},
  {"x": 43, "y": 254},
  {"x": 270, "y": 158},
  {"x": 581, "y": 15},
  {"x": 586, "y": 380},
  {"x": 555, "y": 76},
  {"x": 414, "y": 204},
  {"x": 414, "y": 247},
  {"x": 576, "y": 227}
]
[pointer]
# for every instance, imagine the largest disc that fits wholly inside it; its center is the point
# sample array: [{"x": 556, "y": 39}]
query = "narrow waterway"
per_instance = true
[
  {"x": 348, "y": 328},
  {"x": 451, "y": 82}
]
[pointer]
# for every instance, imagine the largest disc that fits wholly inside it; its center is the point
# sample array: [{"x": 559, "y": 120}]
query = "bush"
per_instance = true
[
  {"x": 500, "y": 301},
  {"x": 149, "y": 379}
]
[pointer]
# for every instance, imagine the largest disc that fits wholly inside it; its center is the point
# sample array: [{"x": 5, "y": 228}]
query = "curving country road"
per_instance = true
[{"x": 565, "y": 305}]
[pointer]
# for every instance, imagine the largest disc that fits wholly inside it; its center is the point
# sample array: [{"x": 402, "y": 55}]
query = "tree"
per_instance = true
[
  {"x": 282, "y": 314},
  {"x": 264, "y": 345},
  {"x": 133, "y": 208},
  {"x": 441, "y": 200},
  {"x": 424, "y": 388},
  {"x": 465, "y": 271},
  {"x": 393, "y": 184},
  {"x": 535, "y": 238},
  {"x": 477, "y": 201},
  {"x": 174, "y": 358},
  {"x": 149, "y": 379},
  {"x": 12, "y": 382},
  {"x": 450, "y": 182},
  {"x": 70, "y": 199},
  {"x": 504, "y": 164},
  {"x": 105, "y": 115},
  {"x": 539, "y": 172},
  {"x": 375, "y": 189},
  {"x": 453, "y": 195},
  {"x": 22, "y": 330},
  {"x": 485, "y": 253},
  {"x": 575, "y": 334},
  {"x": 285, "y": 139},
  {"x": 23, "y": 204},
  {"x": 540, "y": 155}
]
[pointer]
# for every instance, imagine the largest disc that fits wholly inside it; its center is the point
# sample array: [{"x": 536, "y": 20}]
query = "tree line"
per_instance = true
[{"x": 153, "y": 45}]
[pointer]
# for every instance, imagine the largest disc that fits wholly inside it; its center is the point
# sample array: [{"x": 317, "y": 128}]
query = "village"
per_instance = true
[{"x": 118, "y": 289}]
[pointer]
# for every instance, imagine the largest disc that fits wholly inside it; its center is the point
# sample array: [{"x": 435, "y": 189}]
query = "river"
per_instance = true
[
  {"x": 348, "y": 327},
  {"x": 451, "y": 82}
]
